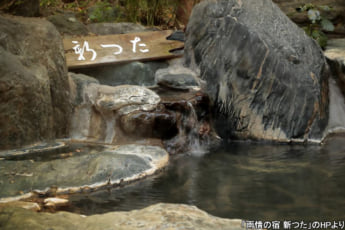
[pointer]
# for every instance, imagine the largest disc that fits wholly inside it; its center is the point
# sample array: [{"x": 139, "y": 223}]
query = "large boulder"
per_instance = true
[
  {"x": 34, "y": 89},
  {"x": 267, "y": 78}
]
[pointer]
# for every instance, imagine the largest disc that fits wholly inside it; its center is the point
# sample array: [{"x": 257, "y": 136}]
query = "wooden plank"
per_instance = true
[{"x": 98, "y": 50}]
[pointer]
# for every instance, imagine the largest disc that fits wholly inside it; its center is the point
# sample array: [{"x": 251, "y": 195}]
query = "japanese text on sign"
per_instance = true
[
  {"x": 80, "y": 50},
  {"x": 249, "y": 224}
]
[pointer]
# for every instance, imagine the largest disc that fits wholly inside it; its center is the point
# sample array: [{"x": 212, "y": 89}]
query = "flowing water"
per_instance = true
[{"x": 241, "y": 180}]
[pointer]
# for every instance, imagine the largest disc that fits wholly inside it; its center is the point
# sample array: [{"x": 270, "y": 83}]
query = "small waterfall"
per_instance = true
[
  {"x": 197, "y": 146},
  {"x": 336, "y": 109},
  {"x": 110, "y": 129}
]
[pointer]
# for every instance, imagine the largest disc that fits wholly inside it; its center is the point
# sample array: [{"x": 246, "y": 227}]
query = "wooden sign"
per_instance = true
[{"x": 97, "y": 50}]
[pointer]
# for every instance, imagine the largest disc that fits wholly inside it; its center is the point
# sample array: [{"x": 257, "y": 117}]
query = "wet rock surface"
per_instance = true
[
  {"x": 267, "y": 79},
  {"x": 157, "y": 123},
  {"x": 82, "y": 167},
  {"x": 34, "y": 88},
  {"x": 107, "y": 114},
  {"x": 193, "y": 121},
  {"x": 99, "y": 108},
  {"x": 335, "y": 53},
  {"x": 159, "y": 216},
  {"x": 176, "y": 77},
  {"x": 126, "y": 99}
]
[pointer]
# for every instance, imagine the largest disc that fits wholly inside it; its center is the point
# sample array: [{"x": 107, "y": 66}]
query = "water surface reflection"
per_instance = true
[{"x": 242, "y": 180}]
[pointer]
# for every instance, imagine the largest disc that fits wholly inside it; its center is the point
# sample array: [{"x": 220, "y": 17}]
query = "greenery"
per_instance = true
[
  {"x": 147, "y": 12},
  {"x": 318, "y": 22},
  {"x": 48, "y": 3},
  {"x": 102, "y": 12}
]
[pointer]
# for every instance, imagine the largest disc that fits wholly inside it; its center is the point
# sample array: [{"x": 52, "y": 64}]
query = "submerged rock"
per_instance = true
[
  {"x": 34, "y": 89},
  {"x": 158, "y": 216},
  {"x": 74, "y": 171},
  {"x": 267, "y": 79}
]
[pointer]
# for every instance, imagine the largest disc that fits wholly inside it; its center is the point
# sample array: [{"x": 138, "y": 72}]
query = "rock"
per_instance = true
[
  {"x": 83, "y": 107},
  {"x": 99, "y": 108},
  {"x": 88, "y": 169},
  {"x": 158, "y": 216},
  {"x": 177, "y": 78},
  {"x": 155, "y": 124},
  {"x": 134, "y": 73},
  {"x": 335, "y": 53},
  {"x": 67, "y": 24},
  {"x": 126, "y": 99},
  {"x": 54, "y": 202},
  {"x": 127, "y": 113},
  {"x": 37, "y": 149},
  {"x": 267, "y": 79},
  {"x": 192, "y": 112},
  {"x": 21, "y": 204},
  {"x": 121, "y": 100},
  {"x": 80, "y": 82},
  {"x": 177, "y": 35},
  {"x": 106, "y": 28},
  {"x": 26, "y": 8},
  {"x": 34, "y": 89}
]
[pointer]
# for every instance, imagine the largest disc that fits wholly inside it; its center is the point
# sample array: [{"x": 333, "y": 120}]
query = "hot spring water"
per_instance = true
[{"x": 241, "y": 180}]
